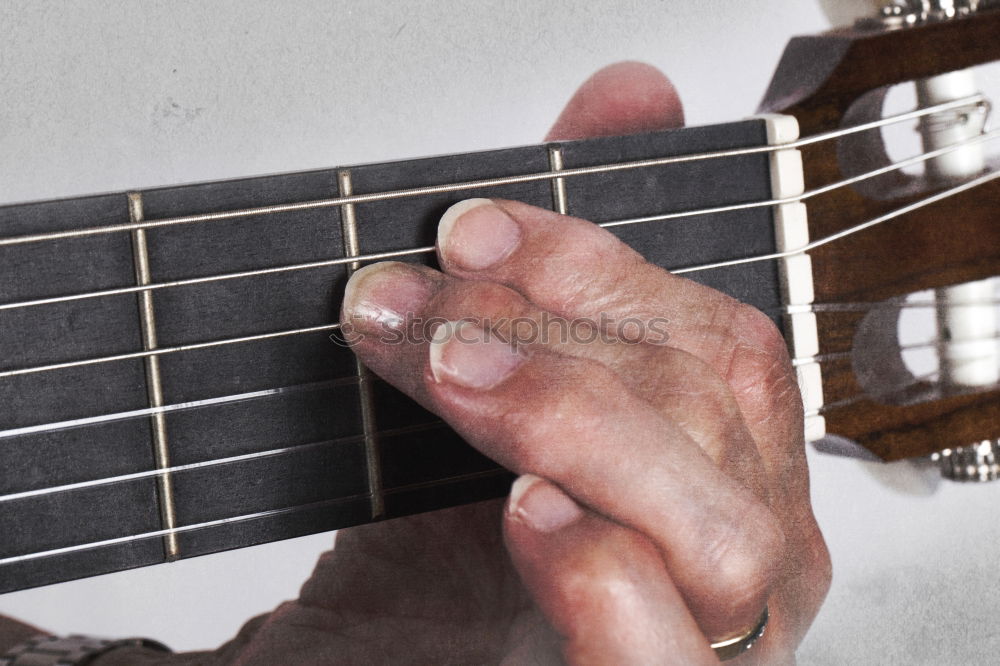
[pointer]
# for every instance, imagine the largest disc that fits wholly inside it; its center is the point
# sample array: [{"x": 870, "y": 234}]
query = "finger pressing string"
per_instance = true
[{"x": 559, "y": 417}]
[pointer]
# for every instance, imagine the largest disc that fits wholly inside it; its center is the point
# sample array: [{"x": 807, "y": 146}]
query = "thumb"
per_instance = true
[{"x": 624, "y": 98}]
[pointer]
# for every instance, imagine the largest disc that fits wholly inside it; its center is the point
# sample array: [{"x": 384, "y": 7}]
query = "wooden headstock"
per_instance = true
[{"x": 833, "y": 80}]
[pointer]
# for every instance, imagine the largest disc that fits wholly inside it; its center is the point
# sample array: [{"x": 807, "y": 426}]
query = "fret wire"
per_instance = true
[
  {"x": 560, "y": 203},
  {"x": 242, "y": 518},
  {"x": 366, "y": 396},
  {"x": 214, "y": 462},
  {"x": 154, "y": 383},
  {"x": 973, "y": 100},
  {"x": 819, "y": 242},
  {"x": 180, "y": 406},
  {"x": 396, "y": 254},
  {"x": 349, "y": 220}
]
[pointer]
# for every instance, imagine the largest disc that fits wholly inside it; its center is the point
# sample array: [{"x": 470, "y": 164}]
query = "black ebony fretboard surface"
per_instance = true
[{"x": 289, "y": 408}]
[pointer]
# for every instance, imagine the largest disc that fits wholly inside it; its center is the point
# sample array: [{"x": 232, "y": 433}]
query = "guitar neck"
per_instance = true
[{"x": 169, "y": 383}]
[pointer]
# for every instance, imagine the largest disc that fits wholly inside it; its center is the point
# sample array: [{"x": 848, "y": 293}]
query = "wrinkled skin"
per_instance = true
[{"x": 666, "y": 500}]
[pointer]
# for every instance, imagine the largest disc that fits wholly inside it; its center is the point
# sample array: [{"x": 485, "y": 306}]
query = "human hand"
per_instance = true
[{"x": 665, "y": 501}]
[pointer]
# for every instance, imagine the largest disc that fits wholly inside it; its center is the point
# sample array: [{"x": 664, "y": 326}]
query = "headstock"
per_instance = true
[{"x": 838, "y": 79}]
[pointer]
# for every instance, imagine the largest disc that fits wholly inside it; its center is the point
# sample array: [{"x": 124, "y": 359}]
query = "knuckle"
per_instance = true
[
  {"x": 758, "y": 367},
  {"x": 761, "y": 332},
  {"x": 574, "y": 290},
  {"x": 465, "y": 298},
  {"x": 744, "y": 328}
]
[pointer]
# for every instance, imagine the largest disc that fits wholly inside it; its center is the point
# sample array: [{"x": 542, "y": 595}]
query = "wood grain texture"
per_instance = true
[{"x": 838, "y": 79}]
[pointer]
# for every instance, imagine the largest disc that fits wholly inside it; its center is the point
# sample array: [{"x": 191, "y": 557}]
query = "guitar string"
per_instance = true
[
  {"x": 271, "y": 513},
  {"x": 212, "y": 344},
  {"x": 392, "y": 432},
  {"x": 832, "y": 357},
  {"x": 978, "y": 101},
  {"x": 217, "y": 401},
  {"x": 920, "y": 203},
  {"x": 981, "y": 138},
  {"x": 817, "y": 307},
  {"x": 302, "y": 507},
  {"x": 209, "y": 402},
  {"x": 844, "y": 233},
  {"x": 791, "y": 309},
  {"x": 861, "y": 395},
  {"x": 845, "y": 307},
  {"x": 989, "y": 176},
  {"x": 214, "y": 462},
  {"x": 163, "y": 351}
]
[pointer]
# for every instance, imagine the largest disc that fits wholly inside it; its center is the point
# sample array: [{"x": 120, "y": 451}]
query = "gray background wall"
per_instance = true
[{"x": 98, "y": 96}]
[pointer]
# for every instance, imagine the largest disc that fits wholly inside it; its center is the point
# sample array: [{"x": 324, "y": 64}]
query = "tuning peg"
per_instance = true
[
  {"x": 898, "y": 13},
  {"x": 846, "y": 12},
  {"x": 975, "y": 463}
]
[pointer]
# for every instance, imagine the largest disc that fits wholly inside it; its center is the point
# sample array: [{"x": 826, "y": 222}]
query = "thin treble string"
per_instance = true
[
  {"x": 846, "y": 307},
  {"x": 881, "y": 397},
  {"x": 158, "y": 534},
  {"x": 884, "y": 395},
  {"x": 788, "y": 309},
  {"x": 422, "y": 427},
  {"x": 978, "y": 101},
  {"x": 162, "y": 351},
  {"x": 398, "y": 254},
  {"x": 939, "y": 343},
  {"x": 940, "y": 196},
  {"x": 269, "y": 453},
  {"x": 239, "y": 397},
  {"x": 215, "y": 462},
  {"x": 351, "y": 380},
  {"x": 176, "y": 407}
]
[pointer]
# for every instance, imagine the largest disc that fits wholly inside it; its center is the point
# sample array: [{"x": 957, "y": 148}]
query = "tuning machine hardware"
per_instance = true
[
  {"x": 906, "y": 13},
  {"x": 975, "y": 463}
]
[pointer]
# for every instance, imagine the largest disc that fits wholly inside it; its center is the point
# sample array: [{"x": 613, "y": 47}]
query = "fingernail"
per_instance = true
[
  {"x": 541, "y": 505},
  {"x": 464, "y": 354},
  {"x": 476, "y": 234},
  {"x": 381, "y": 296}
]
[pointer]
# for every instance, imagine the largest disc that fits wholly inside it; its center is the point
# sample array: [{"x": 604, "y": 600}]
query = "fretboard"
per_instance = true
[{"x": 161, "y": 420}]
